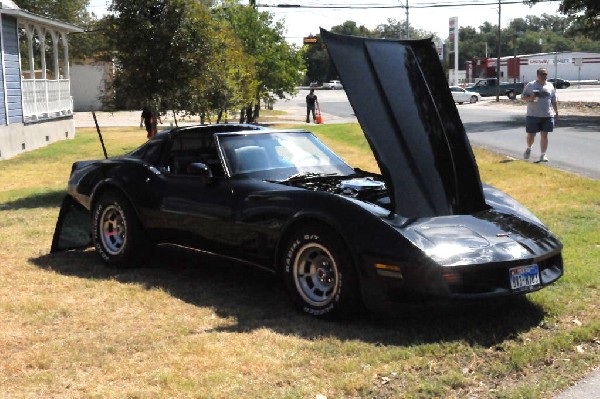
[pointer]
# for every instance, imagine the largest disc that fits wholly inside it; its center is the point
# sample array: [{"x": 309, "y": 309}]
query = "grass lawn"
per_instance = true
[{"x": 191, "y": 326}]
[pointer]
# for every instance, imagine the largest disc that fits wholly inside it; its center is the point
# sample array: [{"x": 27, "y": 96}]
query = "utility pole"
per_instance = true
[
  {"x": 498, "y": 55},
  {"x": 407, "y": 34}
]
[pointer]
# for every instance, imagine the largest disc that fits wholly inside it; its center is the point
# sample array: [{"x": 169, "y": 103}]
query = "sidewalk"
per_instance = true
[
  {"x": 124, "y": 118},
  {"x": 588, "y": 388}
]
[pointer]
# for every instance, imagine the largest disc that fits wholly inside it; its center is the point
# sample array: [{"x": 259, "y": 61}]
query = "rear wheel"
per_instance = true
[
  {"x": 117, "y": 233},
  {"x": 511, "y": 95},
  {"x": 319, "y": 274}
]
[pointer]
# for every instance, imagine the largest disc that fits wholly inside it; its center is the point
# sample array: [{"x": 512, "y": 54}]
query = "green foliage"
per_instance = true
[
  {"x": 319, "y": 66},
  {"x": 318, "y": 63},
  {"x": 279, "y": 66},
  {"x": 585, "y": 13},
  {"x": 532, "y": 34},
  {"x": 71, "y": 11},
  {"x": 90, "y": 43}
]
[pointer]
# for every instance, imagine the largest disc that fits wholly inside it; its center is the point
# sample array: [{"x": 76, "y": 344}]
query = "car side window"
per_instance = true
[
  {"x": 150, "y": 152},
  {"x": 193, "y": 147}
]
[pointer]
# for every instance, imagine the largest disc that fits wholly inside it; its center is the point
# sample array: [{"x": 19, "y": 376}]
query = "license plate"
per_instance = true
[{"x": 524, "y": 277}]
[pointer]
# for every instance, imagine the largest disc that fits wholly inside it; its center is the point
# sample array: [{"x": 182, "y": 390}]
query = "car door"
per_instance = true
[
  {"x": 458, "y": 94},
  {"x": 198, "y": 212},
  {"x": 194, "y": 209},
  {"x": 262, "y": 210}
]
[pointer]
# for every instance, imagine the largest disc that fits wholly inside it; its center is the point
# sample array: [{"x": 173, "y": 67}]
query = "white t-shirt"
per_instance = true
[{"x": 541, "y": 108}]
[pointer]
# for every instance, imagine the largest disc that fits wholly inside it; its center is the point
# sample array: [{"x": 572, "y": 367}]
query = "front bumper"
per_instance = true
[{"x": 474, "y": 281}]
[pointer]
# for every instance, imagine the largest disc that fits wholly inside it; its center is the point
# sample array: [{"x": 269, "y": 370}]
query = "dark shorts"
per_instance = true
[{"x": 534, "y": 124}]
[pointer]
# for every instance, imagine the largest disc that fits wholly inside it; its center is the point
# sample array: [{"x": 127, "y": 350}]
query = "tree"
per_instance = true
[
  {"x": 163, "y": 52},
  {"x": 71, "y": 11},
  {"x": 350, "y": 28},
  {"x": 316, "y": 58},
  {"x": 394, "y": 29},
  {"x": 532, "y": 34},
  {"x": 279, "y": 66},
  {"x": 317, "y": 62},
  {"x": 81, "y": 45},
  {"x": 585, "y": 12}
]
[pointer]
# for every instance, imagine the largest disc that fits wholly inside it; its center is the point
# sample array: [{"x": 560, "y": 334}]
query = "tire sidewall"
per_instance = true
[
  {"x": 346, "y": 292},
  {"x": 125, "y": 255}
]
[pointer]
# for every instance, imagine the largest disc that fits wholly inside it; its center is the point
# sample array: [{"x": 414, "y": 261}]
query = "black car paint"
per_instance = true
[
  {"x": 435, "y": 230},
  {"x": 249, "y": 220},
  {"x": 560, "y": 83},
  {"x": 417, "y": 136}
]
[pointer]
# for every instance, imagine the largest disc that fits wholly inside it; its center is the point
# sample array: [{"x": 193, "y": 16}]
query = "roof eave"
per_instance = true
[{"x": 39, "y": 19}]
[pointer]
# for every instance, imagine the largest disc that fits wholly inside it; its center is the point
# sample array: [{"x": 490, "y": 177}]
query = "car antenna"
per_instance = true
[{"x": 99, "y": 135}]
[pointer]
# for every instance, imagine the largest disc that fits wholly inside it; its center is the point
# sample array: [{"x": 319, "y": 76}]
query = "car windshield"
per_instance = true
[{"x": 279, "y": 156}]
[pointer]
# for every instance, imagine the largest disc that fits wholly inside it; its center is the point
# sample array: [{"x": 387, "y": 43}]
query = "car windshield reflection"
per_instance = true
[{"x": 279, "y": 156}]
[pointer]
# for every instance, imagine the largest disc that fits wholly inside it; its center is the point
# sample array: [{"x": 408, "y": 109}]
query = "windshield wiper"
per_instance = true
[{"x": 302, "y": 176}]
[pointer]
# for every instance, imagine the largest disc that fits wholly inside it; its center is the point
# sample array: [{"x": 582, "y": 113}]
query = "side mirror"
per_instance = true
[{"x": 199, "y": 169}]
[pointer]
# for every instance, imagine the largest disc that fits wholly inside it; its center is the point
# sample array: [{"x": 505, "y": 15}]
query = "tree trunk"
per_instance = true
[
  {"x": 256, "y": 110},
  {"x": 249, "y": 114}
]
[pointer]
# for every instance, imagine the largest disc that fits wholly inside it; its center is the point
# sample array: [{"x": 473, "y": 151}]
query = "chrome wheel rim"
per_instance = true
[
  {"x": 316, "y": 274},
  {"x": 113, "y": 229}
]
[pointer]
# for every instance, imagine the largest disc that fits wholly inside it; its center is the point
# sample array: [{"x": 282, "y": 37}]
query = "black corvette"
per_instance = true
[{"x": 282, "y": 201}]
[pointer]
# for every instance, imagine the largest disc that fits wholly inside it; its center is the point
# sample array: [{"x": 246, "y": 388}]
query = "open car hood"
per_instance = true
[{"x": 401, "y": 99}]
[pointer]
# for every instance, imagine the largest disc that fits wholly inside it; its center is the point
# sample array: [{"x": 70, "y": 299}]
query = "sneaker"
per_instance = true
[
  {"x": 543, "y": 158},
  {"x": 527, "y": 153}
]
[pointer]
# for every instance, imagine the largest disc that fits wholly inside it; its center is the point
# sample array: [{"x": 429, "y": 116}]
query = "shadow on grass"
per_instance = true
[
  {"x": 256, "y": 299},
  {"x": 42, "y": 200}
]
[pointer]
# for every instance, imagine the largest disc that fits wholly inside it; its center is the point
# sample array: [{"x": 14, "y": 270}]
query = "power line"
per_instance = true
[
  {"x": 384, "y": 6},
  {"x": 358, "y": 6}
]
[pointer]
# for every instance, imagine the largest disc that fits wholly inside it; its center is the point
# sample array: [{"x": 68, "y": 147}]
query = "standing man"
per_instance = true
[
  {"x": 150, "y": 119},
  {"x": 311, "y": 105},
  {"x": 540, "y": 96}
]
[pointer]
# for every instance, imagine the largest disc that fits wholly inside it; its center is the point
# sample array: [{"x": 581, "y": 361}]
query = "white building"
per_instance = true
[
  {"x": 36, "y": 107},
  {"x": 564, "y": 65},
  {"x": 568, "y": 65}
]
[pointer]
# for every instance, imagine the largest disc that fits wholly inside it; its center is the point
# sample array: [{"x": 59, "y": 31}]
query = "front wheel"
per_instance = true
[
  {"x": 511, "y": 95},
  {"x": 473, "y": 99},
  {"x": 118, "y": 236},
  {"x": 319, "y": 274}
]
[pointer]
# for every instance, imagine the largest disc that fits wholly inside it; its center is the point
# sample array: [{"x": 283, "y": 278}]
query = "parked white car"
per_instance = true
[
  {"x": 461, "y": 95},
  {"x": 333, "y": 85}
]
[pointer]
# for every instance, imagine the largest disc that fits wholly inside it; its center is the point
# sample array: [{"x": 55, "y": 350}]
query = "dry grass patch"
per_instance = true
[{"x": 191, "y": 326}]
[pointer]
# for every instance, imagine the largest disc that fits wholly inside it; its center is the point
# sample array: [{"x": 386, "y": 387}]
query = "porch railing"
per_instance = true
[{"x": 46, "y": 99}]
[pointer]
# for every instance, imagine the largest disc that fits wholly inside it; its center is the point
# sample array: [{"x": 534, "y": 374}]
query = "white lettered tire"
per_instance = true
[
  {"x": 319, "y": 274},
  {"x": 117, "y": 234}
]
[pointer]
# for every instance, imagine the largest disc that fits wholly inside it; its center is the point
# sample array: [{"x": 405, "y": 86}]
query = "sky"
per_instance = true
[{"x": 303, "y": 21}]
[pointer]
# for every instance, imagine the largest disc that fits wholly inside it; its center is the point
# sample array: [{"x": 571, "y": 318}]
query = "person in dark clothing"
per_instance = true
[
  {"x": 150, "y": 119},
  {"x": 312, "y": 104}
]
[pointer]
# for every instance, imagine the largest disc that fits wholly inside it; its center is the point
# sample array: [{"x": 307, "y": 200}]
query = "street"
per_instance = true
[{"x": 573, "y": 146}]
